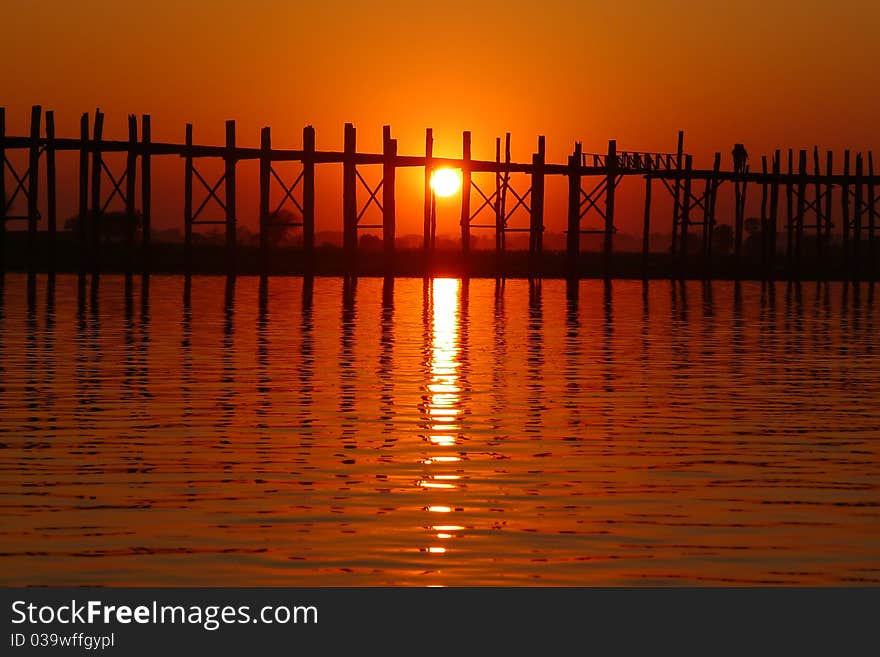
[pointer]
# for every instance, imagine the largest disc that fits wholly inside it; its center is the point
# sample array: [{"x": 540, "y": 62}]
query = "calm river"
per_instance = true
[{"x": 437, "y": 432}]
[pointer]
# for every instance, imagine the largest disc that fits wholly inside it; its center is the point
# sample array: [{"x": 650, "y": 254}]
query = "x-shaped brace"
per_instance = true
[
  {"x": 372, "y": 192},
  {"x": 117, "y": 186},
  {"x": 212, "y": 193},
  {"x": 288, "y": 192},
  {"x": 19, "y": 187}
]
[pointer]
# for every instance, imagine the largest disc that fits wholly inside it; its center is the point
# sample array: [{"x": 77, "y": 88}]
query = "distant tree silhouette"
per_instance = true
[
  {"x": 752, "y": 228},
  {"x": 112, "y": 226},
  {"x": 722, "y": 239},
  {"x": 281, "y": 233},
  {"x": 694, "y": 243},
  {"x": 369, "y": 242}
]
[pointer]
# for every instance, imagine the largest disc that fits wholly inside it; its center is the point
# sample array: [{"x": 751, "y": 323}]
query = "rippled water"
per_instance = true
[{"x": 437, "y": 432}]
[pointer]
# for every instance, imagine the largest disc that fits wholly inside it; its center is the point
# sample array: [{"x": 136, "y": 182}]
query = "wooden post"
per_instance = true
[
  {"x": 789, "y": 212},
  {"x": 499, "y": 211},
  {"x": 188, "y": 199},
  {"x": 872, "y": 247},
  {"x": 829, "y": 187},
  {"x": 710, "y": 202},
  {"x": 765, "y": 233},
  {"x": 706, "y": 246},
  {"x": 536, "y": 214},
  {"x": 389, "y": 175},
  {"x": 818, "y": 206},
  {"x": 685, "y": 207},
  {"x": 265, "y": 173},
  {"x": 801, "y": 204},
  {"x": 573, "y": 237},
  {"x": 2, "y": 188},
  {"x": 51, "y": 188},
  {"x": 858, "y": 208},
  {"x": 465, "y": 222},
  {"x": 739, "y": 216},
  {"x": 308, "y": 193},
  {"x": 505, "y": 187},
  {"x": 676, "y": 205},
  {"x": 704, "y": 234},
  {"x": 433, "y": 222},
  {"x": 844, "y": 197},
  {"x": 610, "y": 185},
  {"x": 349, "y": 194},
  {"x": 230, "y": 160},
  {"x": 646, "y": 225},
  {"x": 83, "y": 187},
  {"x": 130, "y": 186},
  {"x": 146, "y": 191},
  {"x": 429, "y": 193},
  {"x": 33, "y": 196},
  {"x": 774, "y": 211},
  {"x": 97, "y": 166}
]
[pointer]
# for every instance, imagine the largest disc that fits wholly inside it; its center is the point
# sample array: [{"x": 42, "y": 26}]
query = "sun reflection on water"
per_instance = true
[{"x": 442, "y": 409}]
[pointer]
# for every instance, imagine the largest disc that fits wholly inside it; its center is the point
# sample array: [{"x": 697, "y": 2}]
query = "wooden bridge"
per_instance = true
[{"x": 797, "y": 199}]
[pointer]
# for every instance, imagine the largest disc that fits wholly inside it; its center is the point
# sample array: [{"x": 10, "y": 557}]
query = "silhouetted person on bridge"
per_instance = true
[{"x": 740, "y": 158}]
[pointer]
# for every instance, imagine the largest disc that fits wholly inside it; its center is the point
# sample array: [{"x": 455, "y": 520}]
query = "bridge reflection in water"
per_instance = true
[{"x": 437, "y": 432}]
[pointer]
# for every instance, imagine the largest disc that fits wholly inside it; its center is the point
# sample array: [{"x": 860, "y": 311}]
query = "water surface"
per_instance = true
[{"x": 445, "y": 432}]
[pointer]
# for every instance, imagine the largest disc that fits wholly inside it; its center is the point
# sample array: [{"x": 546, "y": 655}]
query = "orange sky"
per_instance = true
[{"x": 769, "y": 74}]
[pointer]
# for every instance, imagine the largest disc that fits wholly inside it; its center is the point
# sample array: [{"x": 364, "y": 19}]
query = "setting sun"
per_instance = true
[{"x": 445, "y": 182}]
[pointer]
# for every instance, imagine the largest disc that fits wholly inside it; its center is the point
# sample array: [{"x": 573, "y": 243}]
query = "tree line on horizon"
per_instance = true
[{"x": 115, "y": 226}]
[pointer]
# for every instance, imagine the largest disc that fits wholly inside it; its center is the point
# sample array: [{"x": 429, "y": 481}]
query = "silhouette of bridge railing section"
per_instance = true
[{"x": 798, "y": 200}]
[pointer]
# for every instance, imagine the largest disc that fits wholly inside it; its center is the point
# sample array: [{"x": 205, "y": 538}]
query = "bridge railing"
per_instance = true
[{"x": 633, "y": 160}]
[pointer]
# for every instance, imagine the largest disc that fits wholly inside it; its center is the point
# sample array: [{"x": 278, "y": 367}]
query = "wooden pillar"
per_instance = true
[
  {"x": 573, "y": 237},
  {"x": 765, "y": 233},
  {"x": 872, "y": 247},
  {"x": 789, "y": 212},
  {"x": 829, "y": 188},
  {"x": 646, "y": 224},
  {"x": 309, "y": 193},
  {"x": 51, "y": 189},
  {"x": 2, "y": 188},
  {"x": 433, "y": 222},
  {"x": 844, "y": 197},
  {"x": 505, "y": 188},
  {"x": 801, "y": 205},
  {"x": 33, "y": 196},
  {"x": 710, "y": 202},
  {"x": 146, "y": 191},
  {"x": 774, "y": 212},
  {"x": 536, "y": 214},
  {"x": 265, "y": 173},
  {"x": 820, "y": 233},
  {"x": 739, "y": 215},
  {"x": 349, "y": 194},
  {"x": 97, "y": 166},
  {"x": 499, "y": 210},
  {"x": 676, "y": 204},
  {"x": 465, "y": 222},
  {"x": 130, "y": 186},
  {"x": 188, "y": 198},
  {"x": 685, "y": 206},
  {"x": 389, "y": 175},
  {"x": 858, "y": 208},
  {"x": 230, "y": 160},
  {"x": 429, "y": 193},
  {"x": 610, "y": 188},
  {"x": 705, "y": 237},
  {"x": 83, "y": 221}
]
